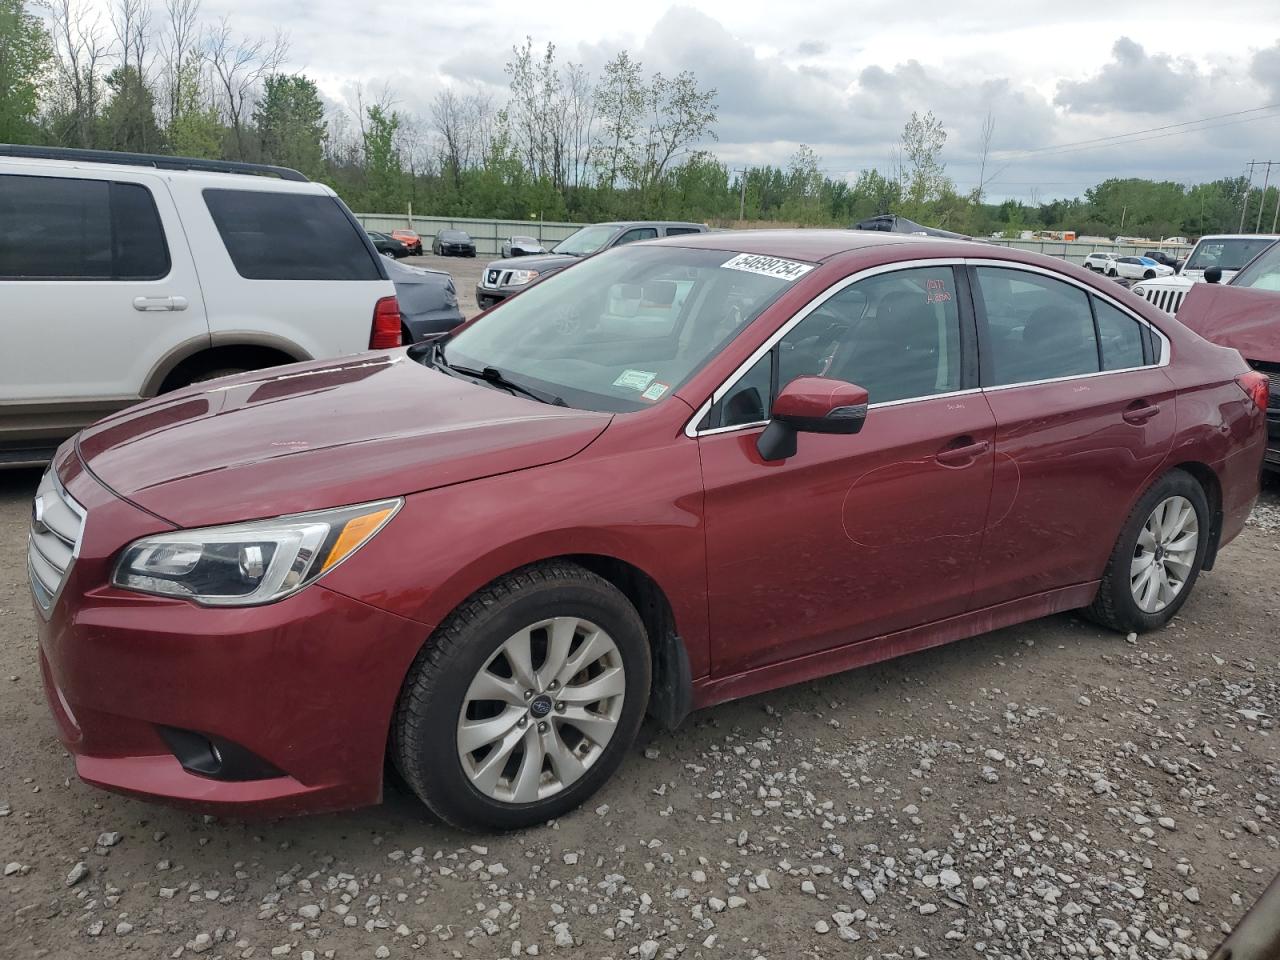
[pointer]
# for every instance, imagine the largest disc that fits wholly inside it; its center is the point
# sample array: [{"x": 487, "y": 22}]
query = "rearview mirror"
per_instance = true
[
  {"x": 811, "y": 405},
  {"x": 1213, "y": 275}
]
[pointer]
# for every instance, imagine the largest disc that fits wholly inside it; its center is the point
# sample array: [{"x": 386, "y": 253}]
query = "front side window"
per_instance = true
[
  {"x": 639, "y": 233},
  {"x": 896, "y": 335},
  {"x": 289, "y": 236},
  {"x": 64, "y": 228},
  {"x": 1037, "y": 328},
  {"x": 621, "y": 331},
  {"x": 1263, "y": 273}
]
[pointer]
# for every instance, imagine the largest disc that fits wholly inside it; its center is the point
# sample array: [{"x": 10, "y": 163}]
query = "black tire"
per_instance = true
[
  {"x": 424, "y": 729},
  {"x": 1115, "y": 606},
  {"x": 1149, "y": 275},
  {"x": 216, "y": 374}
]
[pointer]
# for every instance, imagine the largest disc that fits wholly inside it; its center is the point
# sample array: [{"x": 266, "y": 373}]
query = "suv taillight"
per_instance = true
[
  {"x": 386, "y": 325},
  {"x": 1255, "y": 385}
]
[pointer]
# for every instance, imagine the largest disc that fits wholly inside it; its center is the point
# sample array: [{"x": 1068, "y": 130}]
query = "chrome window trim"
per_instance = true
[
  {"x": 691, "y": 428},
  {"x": 1162, "y": 341}
]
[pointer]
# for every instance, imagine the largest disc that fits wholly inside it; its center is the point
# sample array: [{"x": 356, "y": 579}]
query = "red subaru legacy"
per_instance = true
[{"x": 678, "y": 473}]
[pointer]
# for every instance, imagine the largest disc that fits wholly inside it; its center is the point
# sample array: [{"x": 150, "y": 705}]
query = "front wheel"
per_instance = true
[
  {"x": 525, "y": 700},
  {"x": 1158, "y": 557},
  {"x": 1149, "y": 275}
]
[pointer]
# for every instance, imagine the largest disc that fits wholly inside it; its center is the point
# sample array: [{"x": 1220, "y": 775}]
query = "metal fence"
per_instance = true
[{"x": 489, "y": 235}]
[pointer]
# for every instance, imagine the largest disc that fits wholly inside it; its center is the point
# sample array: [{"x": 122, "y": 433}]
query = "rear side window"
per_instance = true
[
  {"x": 1037, "y": 328},
  {"x": 638, "y": 233},
  {"x": 1119, "y": 337},
  {"x": 681, "y": 231},
  {"x": 64, "y": 228},
  {"x": 289, "y": 236}
]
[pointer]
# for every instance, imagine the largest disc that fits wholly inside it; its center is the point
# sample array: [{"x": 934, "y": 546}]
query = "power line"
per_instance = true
[{"x": 1120, "y": 136}]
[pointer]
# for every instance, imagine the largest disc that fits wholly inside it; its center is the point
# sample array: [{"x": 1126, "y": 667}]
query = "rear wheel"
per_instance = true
[
  {"x": 525, "y": 700},
  {"x": 1158, "y": 557},
  {"x": 1149, "y": 275}
]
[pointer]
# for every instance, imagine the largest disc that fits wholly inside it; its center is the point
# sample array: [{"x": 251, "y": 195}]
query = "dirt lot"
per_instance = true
[{"x": 1049, "y": 790}]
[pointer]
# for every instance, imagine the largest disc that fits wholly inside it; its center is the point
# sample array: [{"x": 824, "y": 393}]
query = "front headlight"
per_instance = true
[
  {"x": 1139, "y": 289},
  {"x": 245, "y": 564},
  {"x": 521, "y": 277}
]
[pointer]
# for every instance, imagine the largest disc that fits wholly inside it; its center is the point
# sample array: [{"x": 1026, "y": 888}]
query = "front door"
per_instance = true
[{"x": 854, "y": 536}]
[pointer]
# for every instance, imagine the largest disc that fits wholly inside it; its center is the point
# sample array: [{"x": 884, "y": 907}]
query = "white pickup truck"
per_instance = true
[{"x": 1228, "y": 251}]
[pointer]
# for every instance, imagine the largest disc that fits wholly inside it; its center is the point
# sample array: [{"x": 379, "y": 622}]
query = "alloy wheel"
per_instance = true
[
  {"x": 1165, "y": 554},
  {"x": 541, "y": 710}
]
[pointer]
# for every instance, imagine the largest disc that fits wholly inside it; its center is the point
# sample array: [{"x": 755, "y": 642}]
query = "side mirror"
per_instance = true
[
  {"x": 1213, "y": 275},
  {"x": 811, "y": 405}
]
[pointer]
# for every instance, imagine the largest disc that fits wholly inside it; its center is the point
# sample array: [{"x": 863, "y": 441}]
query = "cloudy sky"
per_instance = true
[{"x": 844, "y": 76}]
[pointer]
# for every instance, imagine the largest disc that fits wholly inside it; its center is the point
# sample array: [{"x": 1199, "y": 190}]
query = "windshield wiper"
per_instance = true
[{"x": 499, "y": 379}]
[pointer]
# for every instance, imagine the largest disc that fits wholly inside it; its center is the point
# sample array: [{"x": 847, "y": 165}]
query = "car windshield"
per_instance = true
[
  {"x": 1229, "y": 254},
  {"x": 525, "y": 240},
  {"x": 586, "y": 241},
  {"x": 454, "y": 235},
  {"x": 621, "y": 331},
  {"x": 1263, "y": 273}
]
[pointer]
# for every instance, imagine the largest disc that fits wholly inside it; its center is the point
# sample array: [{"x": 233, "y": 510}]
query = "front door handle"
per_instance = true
[
  {"x": 150, "y": 304},
  {"x": 1140, "y": 411},
  {"x": 961, "y": 455}
]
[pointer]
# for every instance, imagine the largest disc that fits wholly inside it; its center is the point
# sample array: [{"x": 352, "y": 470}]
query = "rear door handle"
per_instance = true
[
  {"x": 959, "y": 456},
  {"x": 150, "y": 304},
  {"x": 1140, "y": 411}
]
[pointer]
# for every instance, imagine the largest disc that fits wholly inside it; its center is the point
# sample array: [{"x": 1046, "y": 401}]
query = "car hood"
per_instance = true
[
  {"x": 316, "y": 435},
  {"x": 543, "y": 264},
  {"x": 1239, "y": 317}
]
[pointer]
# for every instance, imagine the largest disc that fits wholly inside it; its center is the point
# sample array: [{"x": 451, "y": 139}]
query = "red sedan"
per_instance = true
[{"x": 675, "y": 474}]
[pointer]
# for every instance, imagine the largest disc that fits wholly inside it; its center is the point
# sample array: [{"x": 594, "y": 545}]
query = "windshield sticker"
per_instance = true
[
  {"x": 768, "y": 266},
  {"x": 655, "y": 391},
  {"x": 634, "y": 379}
]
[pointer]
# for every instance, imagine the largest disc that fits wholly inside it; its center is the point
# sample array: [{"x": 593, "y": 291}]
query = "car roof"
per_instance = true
[
  {"x": 118, "y": 171},
  {"x": 813, "y": 245},
  {"x": 648, "y": 223}
]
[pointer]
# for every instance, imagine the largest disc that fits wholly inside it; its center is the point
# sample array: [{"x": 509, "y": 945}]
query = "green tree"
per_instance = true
[
  {"x": 129, "y": 121},
  {"x": 25, "y": 53},
  {"x": 922, "y": 141},
  {"x": 290, "y": 122},
  {"x": 196, "y": 129},
  {"x": 385, "y": 190}
]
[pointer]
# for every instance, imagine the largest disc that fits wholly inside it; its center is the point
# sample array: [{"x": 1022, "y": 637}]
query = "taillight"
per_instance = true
[
  {"x": 386, "y": 331},
  {"x": 1255, "y": 386}
]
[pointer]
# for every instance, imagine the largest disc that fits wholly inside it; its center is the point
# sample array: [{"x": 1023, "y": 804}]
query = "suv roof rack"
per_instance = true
[{"x": 149, "y": 160}]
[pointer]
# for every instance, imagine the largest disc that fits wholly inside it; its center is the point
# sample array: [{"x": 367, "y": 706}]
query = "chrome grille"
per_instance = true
[
  {"x": 1167, "y": 299},
  {"x": 54, "y": 540}
]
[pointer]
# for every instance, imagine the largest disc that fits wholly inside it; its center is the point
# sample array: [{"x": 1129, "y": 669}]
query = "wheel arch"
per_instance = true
[
  {"x": 1212, "y": 487},
  {"x": 254, "y": 352}
]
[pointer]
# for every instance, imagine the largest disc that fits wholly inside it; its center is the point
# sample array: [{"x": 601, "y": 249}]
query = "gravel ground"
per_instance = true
[{"x": 1048, "y": 790}]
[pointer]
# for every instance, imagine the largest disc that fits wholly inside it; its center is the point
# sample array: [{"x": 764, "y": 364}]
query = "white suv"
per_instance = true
[
  {"x": 123, "y": 276},
  {"x": 1102, "y": 262}
]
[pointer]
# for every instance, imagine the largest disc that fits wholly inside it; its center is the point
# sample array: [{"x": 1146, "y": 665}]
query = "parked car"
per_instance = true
[
  {"x": 892, "y": 223},
  {"x": 428, "y": 301},
  {"x": 1138, "y": 268},
  {"x": 411, "y": 240},
  {"x": 521, "y": 247},
  {"x": 387, "y": 245},
  {"x": 453, "y": 243},
  {"x": 123, "y": 276},
  {"x": 1168, "y": 259},
  {"x": 1245, "y": 314},
  {"x": 679, "y": 473},
  {"x": 1100, "y": 261},
  {"x": 1227, "y": 252},
  {"x": 505, "y": 278}
]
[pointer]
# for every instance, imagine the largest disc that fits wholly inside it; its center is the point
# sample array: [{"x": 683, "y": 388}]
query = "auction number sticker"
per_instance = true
[
  {"x": 768, "y": 266},
  {"x": 655, "y": 391}
]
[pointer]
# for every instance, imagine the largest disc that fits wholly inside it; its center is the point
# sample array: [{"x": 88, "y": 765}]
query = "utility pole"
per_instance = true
[
  {"x": 1262, "y": 199},
  {"x": 742, "y": 194},
  {"x": 1247, "y": 190}
]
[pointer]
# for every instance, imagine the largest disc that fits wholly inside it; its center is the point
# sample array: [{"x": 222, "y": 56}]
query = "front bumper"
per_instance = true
[
  {"x": 486, "y": 297},
  {"x": 306, "y": 686},
  {"x": 450, "y": 250},
  {"x": 1272, "y": 458}
]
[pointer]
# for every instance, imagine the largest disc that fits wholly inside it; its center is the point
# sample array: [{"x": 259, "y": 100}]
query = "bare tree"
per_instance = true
[
  {"x": 988, "y": 131},
  {"x": 240, "y": 64},
  {"x": 179, "y": 48},
  {"x": 677, "y": 114},
  {"x": 131, "y": 20},
  {"x": 80, "y": 48}
]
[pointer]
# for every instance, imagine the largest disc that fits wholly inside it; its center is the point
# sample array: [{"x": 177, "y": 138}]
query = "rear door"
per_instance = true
[
  {"x": 97, "y": 286},
  {"x": 286, "y": 269},
  {"x": 1084, "y": 417}
]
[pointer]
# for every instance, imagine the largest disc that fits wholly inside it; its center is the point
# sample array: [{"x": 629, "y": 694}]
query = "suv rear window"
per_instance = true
[
  {"x": 66, "y": 228},
  {"x": 289, "y": 236}
]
